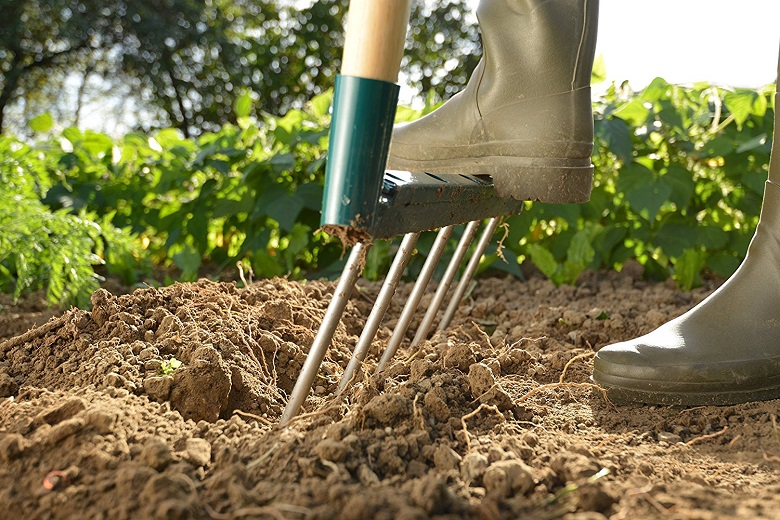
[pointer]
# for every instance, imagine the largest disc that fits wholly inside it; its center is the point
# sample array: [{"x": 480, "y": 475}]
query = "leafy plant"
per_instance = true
[
  {"x": 56, "y": 251},
  {"x": 678, "y": 186}
]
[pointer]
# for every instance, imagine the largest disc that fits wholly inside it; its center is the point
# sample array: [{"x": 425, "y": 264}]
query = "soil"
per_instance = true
[{"x": 163, "y": 403}]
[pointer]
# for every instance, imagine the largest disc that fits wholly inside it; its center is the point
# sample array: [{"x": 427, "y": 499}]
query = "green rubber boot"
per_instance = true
[
  {"x": 726, "y": 350},
  {"x": 525, "y": 116}
]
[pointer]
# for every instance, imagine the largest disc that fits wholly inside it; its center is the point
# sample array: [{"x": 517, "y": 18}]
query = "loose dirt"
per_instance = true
[{"x": 163, "y": 403}]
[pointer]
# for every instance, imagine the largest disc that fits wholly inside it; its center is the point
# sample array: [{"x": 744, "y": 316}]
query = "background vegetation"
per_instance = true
[
  {"x": 678, "y": 187},
  {"x": 184, "y": 63},
  {"x": 211, "y": 177}
]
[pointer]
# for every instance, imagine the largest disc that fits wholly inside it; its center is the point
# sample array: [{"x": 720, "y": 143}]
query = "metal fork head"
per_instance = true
[{"x": 349, "y": 276}]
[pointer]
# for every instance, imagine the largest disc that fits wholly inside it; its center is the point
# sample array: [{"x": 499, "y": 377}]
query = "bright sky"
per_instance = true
[{"x": 727, "y": 42}]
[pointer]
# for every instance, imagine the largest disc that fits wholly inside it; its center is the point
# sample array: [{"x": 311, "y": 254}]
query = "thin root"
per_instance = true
[
  {"x": 705, "y": 437},
  {"x": 491, "y": 407},
  {"x": 572, "y": 360},
  {"x": 549, "y": 386}
]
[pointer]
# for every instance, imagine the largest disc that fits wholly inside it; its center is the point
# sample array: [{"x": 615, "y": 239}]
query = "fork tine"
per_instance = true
[
  {"x": 414, "y": 298},
  {"x": 468, "y": 274},
  {"x": 446, "y": 281},
  {"x": 327, "y": 329},
  {"x": 380, "y": 307}
]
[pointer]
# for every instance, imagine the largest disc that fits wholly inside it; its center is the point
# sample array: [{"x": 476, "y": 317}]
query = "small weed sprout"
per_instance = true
[{"x": 169, "y": 366}]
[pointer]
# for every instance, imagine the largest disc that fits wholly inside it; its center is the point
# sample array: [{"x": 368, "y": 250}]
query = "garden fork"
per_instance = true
[{"x": 363, "y": 200}]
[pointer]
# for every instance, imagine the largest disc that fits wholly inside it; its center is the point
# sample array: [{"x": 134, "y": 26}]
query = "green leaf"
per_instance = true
[
  {"x": 740, "y": 104},
  {"x": 543, "y": 260},
  {"x": 687, "y": 268},
  {"x": 682, "y": 185},
  {"x": 641, "y": 190},
  {"x": 320, "y": 104},
  {"x": 675, "y": 238},
  {"x": 656, "y": 90},
  {"x": 711, "y": 237},
  {"x": 188, "y": 260},
  {"x": 599, "y": 72},
  {"x": 283, "y": 208},
  {"x": 723, "y": 264},
  {"x": 42, "y": 123},
  {"x": 311, "y": 194},
  {"x": 243, "y": 105},
  {"x": 581, "y": 252},
  {"x": 225, "y": 207},
  {"x": 634, "y": 112},
  {"x": 617, "y": 136}
]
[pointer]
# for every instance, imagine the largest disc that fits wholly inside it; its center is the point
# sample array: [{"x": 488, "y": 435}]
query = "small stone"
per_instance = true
[
  {"x": 495, "y": 453},
  {"x": 158, "y": 387},
  {"x": 156, "y": 454},
  {"x": 12, "y": 446},
  {"x": 387, "y": 408},
  {"x": 102, "y": 421},
  {"x": 8, "y": 385},
  {"x": 483, "y": 385},
  {"x": 432, "y": 495},
  {"x": 115, "y": 380},
  {"x": 508, "y": 477},
  {"x": 437, "y": 406},
  {"x": 148, "y": 353},
  {"x": 198, "y": 451},
  {"x": 64, "y": 429},
  {"x": 473, "y": 466},
  {"x": 445, "y": 458},
  {"x": 481, "y": 379},
  {"x": 153, "y": 366},
  {"x": 418, "y": 369},
  {"x": 332, "y": 450},
  {"x": 573, "y": 467},
  {"x": 366, "y": 475},
  {"x": 668, "y": 437},
  {"x": 66, "y": 410},
  {"x": 459, "y": 356}
]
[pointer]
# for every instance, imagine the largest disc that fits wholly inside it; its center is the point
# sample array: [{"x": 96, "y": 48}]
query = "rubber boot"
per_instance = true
[
  {"x": 726, "y": 350},
  {"x": 525, "y": 116}
]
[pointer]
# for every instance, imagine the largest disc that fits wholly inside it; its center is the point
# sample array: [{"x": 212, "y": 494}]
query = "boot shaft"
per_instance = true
[
  {"x": 774, "y": 160},
  {"x": 535, "y": 48}
]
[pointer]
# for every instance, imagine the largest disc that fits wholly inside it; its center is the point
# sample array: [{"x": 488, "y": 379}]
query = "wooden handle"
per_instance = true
[{"x": 374, "y": 42}]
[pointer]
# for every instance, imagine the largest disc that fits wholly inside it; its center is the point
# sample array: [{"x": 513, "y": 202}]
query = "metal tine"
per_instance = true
[
  {"x": 444, "y": 285},
  {"x": 468, "y": 274},
  {"x": 327, "y": 329},
  {"x": 414, "y": 298},
  {"x": 380, "y": 308}
]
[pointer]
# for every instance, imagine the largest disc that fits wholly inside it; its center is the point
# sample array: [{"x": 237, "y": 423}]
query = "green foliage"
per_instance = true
[
  {"x": 678, "y": 187},
  {"x": 250, "y": 191},
  {"x": 51, "y": 250},
  {"x": 679, "y": 180}
]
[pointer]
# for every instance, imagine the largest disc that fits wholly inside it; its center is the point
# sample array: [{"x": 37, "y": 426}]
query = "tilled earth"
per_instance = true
[{"x": 163, "y": 403}]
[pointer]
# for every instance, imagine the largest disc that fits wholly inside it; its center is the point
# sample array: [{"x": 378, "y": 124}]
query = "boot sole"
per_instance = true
[
  {"x": 672, "y": 393},
  {"x": 556, "y": 181}
]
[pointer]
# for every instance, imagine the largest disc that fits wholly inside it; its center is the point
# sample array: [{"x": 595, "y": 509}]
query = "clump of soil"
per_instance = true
[{"x": 164, "y": 403}]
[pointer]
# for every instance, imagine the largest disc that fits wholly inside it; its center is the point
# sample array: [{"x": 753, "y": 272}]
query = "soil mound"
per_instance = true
[{"x": 163, "y": 403}]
